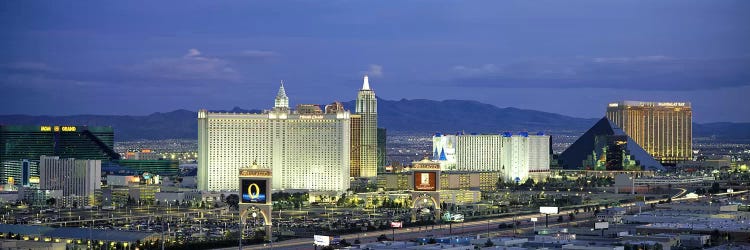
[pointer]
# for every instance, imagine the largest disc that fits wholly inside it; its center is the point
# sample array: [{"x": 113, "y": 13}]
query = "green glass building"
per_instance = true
[
  {"x": 160, "y": 167},
  {"x": 30, "y": 142}
]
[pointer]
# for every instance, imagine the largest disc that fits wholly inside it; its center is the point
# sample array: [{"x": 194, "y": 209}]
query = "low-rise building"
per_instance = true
[
  {"x": 613, "y": 215},
  {"x": 39, "y": 197},
  {"x": 449, "y": 180},
  {"x": 694, "y": 240}
]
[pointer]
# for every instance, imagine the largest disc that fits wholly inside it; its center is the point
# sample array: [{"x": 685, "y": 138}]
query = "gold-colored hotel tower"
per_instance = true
[{"x": 663, "y": 129}]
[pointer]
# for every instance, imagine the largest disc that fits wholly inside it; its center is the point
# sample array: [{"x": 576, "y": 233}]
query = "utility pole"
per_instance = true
[
  {"x": 162, "y": 233},
  {"x": 241, "y": 230},
  {"x": 91, "y": 238},
  {"x": 488, "y": 228}
]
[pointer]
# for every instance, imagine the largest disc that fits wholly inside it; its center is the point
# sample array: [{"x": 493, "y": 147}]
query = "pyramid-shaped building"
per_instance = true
[{"x": 606, "y": 147}]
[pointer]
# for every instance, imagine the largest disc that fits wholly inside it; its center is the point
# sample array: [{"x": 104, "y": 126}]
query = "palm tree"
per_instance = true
[
  {"x": 233, "y": 200},
  {"x": 51, "y": 201}
]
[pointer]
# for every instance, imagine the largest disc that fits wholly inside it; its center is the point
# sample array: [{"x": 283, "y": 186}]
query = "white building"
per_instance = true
[
  {"x": 513, "y": 155},
  {"x": 306, "y": 149},
  {"x": 444, "y": 150},
  {"x": 478, "y": 152},
  {"x": 78, "y": 179}
]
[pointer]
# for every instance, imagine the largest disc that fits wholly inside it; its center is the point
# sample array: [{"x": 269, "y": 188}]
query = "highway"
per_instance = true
[
  {"x": 473, "y": 227},
  {"x": 457, "y": 229}
]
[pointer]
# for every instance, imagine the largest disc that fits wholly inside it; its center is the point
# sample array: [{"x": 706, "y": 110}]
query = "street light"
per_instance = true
[{"x": 488, "y": 228}]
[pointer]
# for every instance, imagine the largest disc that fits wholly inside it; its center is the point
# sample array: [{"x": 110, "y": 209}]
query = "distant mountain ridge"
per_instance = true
[{"x": 406, "y": 116}]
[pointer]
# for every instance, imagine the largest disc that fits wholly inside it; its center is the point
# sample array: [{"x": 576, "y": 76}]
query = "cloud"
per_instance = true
[
  {"x": 630, "y": 59},
  {"x": 25, "y": 68},
  {"x": 375, "y": 70},
  {"x": 477, "y": 71},
  {"x": 38, "y": 76},
  {"x": 192, "y": 66},
  {"x": 193, "y": 69},
  {"x": 640, "y": 73},
  {"x": 192, "y": 53},
  {"x": 263, "y": 54}
]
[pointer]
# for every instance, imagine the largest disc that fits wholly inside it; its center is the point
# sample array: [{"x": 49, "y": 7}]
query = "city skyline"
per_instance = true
[
  {"x": 496, "y": 53},
  {"x": 256, "y": 125}
]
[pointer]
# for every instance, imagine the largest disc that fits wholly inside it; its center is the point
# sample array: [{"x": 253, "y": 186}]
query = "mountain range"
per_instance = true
[{"x": 403, "y": 116}]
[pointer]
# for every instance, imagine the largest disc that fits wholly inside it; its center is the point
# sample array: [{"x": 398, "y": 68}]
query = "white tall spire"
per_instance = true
[
  {"x": 366, "y": 84},
  {"x": 282, "y": 101},
  {"x": 282, "y": 92},
  {"x": 367, "y": 141}
]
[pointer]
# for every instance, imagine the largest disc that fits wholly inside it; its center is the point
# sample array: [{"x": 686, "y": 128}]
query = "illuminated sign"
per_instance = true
[
  {"x": 254, "y": 191},
  {"x": 145, "y": 150},
  {"x": 601, "y": 225},
  {"x": 255, "y": 173},
  {"x": 397, "y": 224},
  {"x": 671, "y": 104},
  {"x": 34, "y": 179},
  {"x": 322, "y": 240},
  {"x": 311, "y": 116},
  {"x": 425, "y": 181},
  {"x": 430, "y": 166},
  {"x": 613, "y": 105},
  {"x": 548, "y": 210},
  {"x": 57, "y": 128}
]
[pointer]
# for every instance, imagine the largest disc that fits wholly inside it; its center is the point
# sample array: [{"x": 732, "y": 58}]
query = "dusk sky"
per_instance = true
[{"x": 567, "y": 57}]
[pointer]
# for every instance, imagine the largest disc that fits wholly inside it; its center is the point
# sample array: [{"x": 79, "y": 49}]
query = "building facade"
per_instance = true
[
  {"x": 477, "y": 152},
  {"x": 523, "y": 154},
  {"x": 449, "y": 180},
  {"x": 512, "y": 155},
  {"x": 78, "y": 179},
  {"x": 356, "y": 145},
  {"x": 444, "y": 150},
  {"x": 305, "y": 149},
  {"x": 663, "y": 129},
  {"x": 159, "y": 167},
  {"x": 19, "y": 143},
  {"x": 382, "y": 152},
  {"x": 367, "y": 110}
]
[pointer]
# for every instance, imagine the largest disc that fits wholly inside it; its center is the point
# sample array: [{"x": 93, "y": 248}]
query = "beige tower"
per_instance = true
[
  {"x": 367, "y": 109},
  {"x": 356, "y": 145},
  {"x": 663, "y": 129}
]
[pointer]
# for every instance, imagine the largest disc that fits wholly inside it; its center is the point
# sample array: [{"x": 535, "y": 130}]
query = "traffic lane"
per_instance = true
[{"x": 441, "y": 230}]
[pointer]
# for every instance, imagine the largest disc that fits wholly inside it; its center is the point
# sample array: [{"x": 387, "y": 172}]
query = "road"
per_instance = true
[
  {"x": 479, "y": 227},
  {"x": 456, "y": 229}
]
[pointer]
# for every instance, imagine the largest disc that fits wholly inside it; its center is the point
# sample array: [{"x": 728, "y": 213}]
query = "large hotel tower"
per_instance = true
[
  {"x": 306, "y": 148},
  {"x": 663, "y": 129},
  {"x": 513, "y": 155},
  {"x": 365, "y": 133}
]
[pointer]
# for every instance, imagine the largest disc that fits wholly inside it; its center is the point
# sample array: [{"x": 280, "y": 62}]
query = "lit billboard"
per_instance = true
[
  {"x": 322, "y": 240},
  {"x": 548, "y": 210},
  {"x": 254, "y": 191},
  {"x": 425, "y": 181}
]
